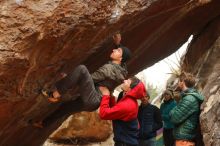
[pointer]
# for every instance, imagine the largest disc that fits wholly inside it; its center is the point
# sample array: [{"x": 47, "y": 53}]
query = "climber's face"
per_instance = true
[{"x": 116, "y": 54}]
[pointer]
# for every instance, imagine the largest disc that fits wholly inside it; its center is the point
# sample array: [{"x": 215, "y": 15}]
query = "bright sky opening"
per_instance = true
[{"x": 158, "y": 73}]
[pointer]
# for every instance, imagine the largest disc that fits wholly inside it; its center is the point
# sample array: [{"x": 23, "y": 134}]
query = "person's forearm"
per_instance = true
[{"x": 104, "y": 106}]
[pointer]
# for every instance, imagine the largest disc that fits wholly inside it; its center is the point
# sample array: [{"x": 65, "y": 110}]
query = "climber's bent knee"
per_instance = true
[{"x": 82, "y": 68}]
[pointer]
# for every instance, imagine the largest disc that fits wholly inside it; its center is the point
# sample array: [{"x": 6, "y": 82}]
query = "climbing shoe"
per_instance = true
[
  {"x": 54, "y": 99},
  {"x": 49, "y": 96},
  {"x": 46, "y": 93}
]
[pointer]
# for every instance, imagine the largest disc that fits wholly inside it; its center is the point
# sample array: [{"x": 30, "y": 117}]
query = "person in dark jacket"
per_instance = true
[
  {"x": 150, "y": 121},
  {"x": 185, "y": 115},
  {"x": 124, "y": 112},
  {"x": 168, "y": 104}
]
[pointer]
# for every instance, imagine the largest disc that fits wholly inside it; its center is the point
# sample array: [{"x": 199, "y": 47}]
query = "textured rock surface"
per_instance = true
[
  {"x": 39, "y": 39},
  {"x": 83, "y": 127},
  {"x": 203, "y": 58}
]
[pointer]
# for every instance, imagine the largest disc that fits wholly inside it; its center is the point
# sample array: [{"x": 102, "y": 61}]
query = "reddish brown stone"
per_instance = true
[{"x": 39, "y": 39}]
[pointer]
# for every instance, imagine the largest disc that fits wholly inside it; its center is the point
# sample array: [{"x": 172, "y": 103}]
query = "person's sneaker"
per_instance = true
[
  {"x": 46, "y": 93},
  {"x": 54, "y": 99}
]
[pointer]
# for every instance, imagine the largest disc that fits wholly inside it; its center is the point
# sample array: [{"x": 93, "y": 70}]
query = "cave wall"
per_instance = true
[{"x": 41, "y": 39}]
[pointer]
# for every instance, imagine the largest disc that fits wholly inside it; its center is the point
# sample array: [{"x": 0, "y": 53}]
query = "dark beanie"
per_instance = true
[{"x": 126, "y": 54}]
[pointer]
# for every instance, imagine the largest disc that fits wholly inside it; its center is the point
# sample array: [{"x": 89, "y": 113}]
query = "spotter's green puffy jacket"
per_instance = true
[{"x": 185, "y": 115}]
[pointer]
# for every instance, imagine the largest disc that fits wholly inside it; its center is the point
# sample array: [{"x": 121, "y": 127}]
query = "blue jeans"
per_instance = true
[{"x": 148, "y": 142}]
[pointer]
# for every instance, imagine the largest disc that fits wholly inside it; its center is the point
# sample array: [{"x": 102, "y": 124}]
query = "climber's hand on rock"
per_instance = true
[{"x": 117, "y": 38}]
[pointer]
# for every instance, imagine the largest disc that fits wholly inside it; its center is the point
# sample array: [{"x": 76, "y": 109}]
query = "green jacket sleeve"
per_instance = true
[
  {"x": 163, "y": 115},
  {"x": 186, "y": 107},
  {"x": 102, "y": 73}
]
